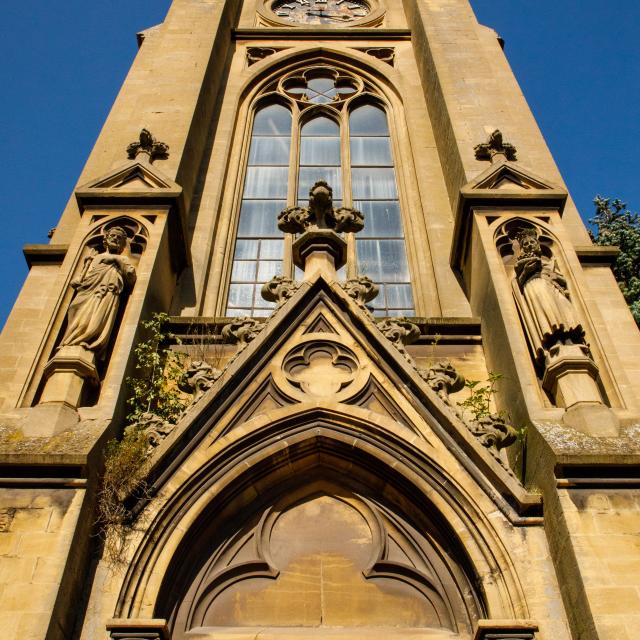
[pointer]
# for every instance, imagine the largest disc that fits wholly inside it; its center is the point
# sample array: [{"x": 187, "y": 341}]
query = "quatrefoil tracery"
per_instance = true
[{"x": 320, "y": 85}]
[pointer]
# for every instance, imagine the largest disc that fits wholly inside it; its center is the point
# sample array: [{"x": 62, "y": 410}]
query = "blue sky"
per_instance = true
[{"x": 62, "y": 63}]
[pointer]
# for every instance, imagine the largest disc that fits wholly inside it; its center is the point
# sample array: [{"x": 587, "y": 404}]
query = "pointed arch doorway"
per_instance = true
[{"x": 329, "y": 547}]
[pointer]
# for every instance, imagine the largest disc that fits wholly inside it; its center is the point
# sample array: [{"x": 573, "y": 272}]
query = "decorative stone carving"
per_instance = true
[
  {"x": 279, "y": 289},
  {"x": 321, "y": 368},
  {"x": 495, "y": 434},
  {"x": 294, "y": 220},
  {"x": 384, "y": 54},
  {"x": 443, "y": 379},
  {"x": 105, "y": 278},
  {"x": 6, "y": 518},
  {"x": 148, "y": 146},
  {"x": 495, "y": 148},
  {"x": 362, "y": 289},
  {"x": 241, "y": 331},
  {"x": 400, "y": 332},
  {"x": 320, "y": 249},
  {"x": 198, "y": 379},
  {"x": 320, "y": 214},
  {"x": 155, "y": 429},
  {"x": 255, "y": 54}
]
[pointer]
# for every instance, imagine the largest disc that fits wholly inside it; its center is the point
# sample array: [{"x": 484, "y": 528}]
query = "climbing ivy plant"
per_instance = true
[
  {"x": 159, "y": 372},
  {"x": 154, "y": 389}
]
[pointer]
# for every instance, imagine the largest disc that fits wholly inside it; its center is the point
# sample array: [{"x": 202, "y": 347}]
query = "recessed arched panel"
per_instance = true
[{"x": 320, "y": 548}]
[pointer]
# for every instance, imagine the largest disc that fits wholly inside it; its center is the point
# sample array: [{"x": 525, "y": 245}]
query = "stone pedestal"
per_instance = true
[
  {"x": 506, "y": 630},
  {"x": 571, "y": 378},
  {"x": 66, "y": 374},
  {"x": 320, "y": 251},
  {"x": 154, "y": 629}
]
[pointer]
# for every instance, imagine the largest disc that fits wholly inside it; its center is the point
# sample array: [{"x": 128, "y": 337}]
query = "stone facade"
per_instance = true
[{"x": 331, "y": 474}]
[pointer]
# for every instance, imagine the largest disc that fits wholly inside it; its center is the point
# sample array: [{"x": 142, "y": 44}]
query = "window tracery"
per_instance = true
[{"x": 320, "y": 123}]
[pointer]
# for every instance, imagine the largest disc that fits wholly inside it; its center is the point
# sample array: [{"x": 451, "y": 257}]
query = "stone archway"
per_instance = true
[
  {"x": 321, "y": 550},
  {"x": 448, "y": 556}
]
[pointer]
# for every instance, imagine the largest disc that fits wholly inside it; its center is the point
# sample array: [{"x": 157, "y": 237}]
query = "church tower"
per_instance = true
[{"x": 393, "y": 391}]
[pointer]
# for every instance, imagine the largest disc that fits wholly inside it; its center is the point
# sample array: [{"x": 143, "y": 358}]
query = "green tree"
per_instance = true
[{"x": 616, "y": 225}]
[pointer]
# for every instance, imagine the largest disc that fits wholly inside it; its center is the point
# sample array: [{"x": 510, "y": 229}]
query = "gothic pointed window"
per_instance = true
[
  {"x": 380, "y": 246},
  {"x": 259, "y": 247},
  {"x": 335, "y": 128}
]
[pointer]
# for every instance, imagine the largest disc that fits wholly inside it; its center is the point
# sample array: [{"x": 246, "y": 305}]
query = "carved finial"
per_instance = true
[
  {"x": 495, "y": 146},
  {"x": 320, "y": 214},
  {"x": 148, "y": 145},
  {"x": 361, "y": 289},
  {"x": 279, "y": 289},
  {"x": 400, "y": 332}
]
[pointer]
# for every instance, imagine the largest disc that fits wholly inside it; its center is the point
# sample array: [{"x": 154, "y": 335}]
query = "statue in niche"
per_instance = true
[
  {"x": 106, "y": 276},
  {"x": 543, "y": 298}
]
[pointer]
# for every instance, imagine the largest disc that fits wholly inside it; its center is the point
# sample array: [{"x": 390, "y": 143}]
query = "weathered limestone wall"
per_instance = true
[
  {"x": 37, "y": 529},
  {"x": 604, "y": 527}
]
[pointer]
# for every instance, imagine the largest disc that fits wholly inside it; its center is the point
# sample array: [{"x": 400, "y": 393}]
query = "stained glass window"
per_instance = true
[
  {"x": 325, "y": 125},
  {"x": 380, "y": 245},
  {"x": 259, "y": 246}
]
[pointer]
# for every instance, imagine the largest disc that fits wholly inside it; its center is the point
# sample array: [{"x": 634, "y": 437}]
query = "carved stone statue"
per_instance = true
[
  {"x": 92, "y": 312},
  {"x": 542, "y": 295}
]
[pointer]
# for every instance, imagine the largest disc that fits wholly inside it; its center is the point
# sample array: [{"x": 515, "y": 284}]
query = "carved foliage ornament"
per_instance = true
[
  {"x": 400, "y": 331},
  {"x": 148, "y": 145},
  {"x": 361, "y": 289},
  {"x": 494, "y": 147},
  {"x": 320, "y": 214},
  {"x": 242, "y": 331},
  {"x": 495, "y": 434},
  {"x": 198, "y": 379},
  {"x": 155, "y": 429},
  {"x": 443, "y": 378},
  {"x": 279, "y": 289}
]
